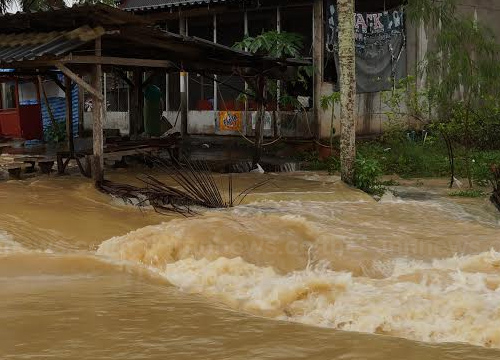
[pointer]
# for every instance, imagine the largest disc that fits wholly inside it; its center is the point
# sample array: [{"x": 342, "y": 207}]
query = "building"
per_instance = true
[{"x": 228, "y": 21}]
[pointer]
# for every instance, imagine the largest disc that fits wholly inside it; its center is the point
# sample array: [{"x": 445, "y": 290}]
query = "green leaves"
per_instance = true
[
  {"x": 274, "y": 44},
  {"x": 280, "y": 45},
  {"x": 56, "y": 133},
  {"x": 328, "y": 101},
  {"x": 367, "y": 174}
]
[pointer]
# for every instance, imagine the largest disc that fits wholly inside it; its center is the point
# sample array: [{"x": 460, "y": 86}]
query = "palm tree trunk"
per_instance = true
[{"x": 347, "y": 64}]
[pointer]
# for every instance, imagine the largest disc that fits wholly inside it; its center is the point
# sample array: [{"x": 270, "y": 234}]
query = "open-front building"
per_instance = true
[
  {"x": 388, "y": 48},
  {"x": 84, "y": 42}
]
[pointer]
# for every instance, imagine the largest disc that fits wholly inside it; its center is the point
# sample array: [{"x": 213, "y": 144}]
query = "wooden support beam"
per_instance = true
[
  {"x": 183, "y": 86},
  {"x": 117, "y": 61},
  {"x": 69, "y": 115},
  {"x": 93, "y": 90},
  {"x": 56, "y": 81},
  {"x": 123, "y": 75},
  {"x": 97, "y": 116},
  {"x": 92, "y": 60}
]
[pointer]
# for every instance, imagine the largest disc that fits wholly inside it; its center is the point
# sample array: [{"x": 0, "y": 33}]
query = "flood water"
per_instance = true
[{"x": 306, "y": 268}]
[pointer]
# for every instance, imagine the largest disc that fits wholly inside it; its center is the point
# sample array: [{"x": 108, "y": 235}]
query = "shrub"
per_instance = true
[
  {"x": 366, "y": 177},
  {"x": 482, "y": 165},
  {"x": 469, "y": 193},
  {"x": 56, "y": 132}
]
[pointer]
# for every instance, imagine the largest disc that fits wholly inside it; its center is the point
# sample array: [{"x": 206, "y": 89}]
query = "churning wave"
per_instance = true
[{"x": 308, "y": 269}]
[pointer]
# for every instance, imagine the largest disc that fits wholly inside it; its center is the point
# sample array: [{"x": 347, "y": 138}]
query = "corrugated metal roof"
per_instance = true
[
  {"x": 20, "y": 45},
  {"x": 29, "y": 46},
  {"x": 68, "y": 18},
  {"x": 131, "y": 5}
]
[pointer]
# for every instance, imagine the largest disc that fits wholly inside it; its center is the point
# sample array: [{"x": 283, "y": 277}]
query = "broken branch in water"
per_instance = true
[{"x": 196, "y": 187}]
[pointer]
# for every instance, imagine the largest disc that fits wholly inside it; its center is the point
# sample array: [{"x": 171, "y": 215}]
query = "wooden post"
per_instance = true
[
  {"x": 183, "y": 86},
  {"x": 69, "y": 116},
  {"x": 97, "y": 115}
]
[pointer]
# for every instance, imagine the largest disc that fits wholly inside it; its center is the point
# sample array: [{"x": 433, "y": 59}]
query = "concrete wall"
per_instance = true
[
  {"x": 371, "y": 109},
  {"x": 112, "y": 120},
  {"x": 287, "y": 124}
]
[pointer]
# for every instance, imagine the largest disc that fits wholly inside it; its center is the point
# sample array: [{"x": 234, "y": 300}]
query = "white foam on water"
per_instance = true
[
  {"x": 443, "y": 303},
  {"x": 243, "y": 259},
  {"x": 8, "y": 245}
]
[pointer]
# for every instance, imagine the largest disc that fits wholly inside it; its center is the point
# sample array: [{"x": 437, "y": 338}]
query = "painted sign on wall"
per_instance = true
[
  {"x": 268, "y": 120},
  {"x": 230, "y": 121},
  {"x": 380, "y": 48}
]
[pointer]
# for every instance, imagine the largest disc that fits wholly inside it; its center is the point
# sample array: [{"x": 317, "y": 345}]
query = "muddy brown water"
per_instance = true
[{"x": 305, "y": 268}]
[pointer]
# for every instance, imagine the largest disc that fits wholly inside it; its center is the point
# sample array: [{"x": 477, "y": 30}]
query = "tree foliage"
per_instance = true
[
  {"x": 274, "y": 44},
  {"x": 279, "y": 45},
  {"x": 460, "y": 95},
  {"x": 43, "y": 5}
]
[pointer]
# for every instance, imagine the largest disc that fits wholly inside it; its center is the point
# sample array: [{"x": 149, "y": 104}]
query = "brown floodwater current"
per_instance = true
[{"x": 305, "y": 268}]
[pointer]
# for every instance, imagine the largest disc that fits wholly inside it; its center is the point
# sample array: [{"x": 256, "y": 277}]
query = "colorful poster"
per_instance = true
[{"x": 230, "y": 121}]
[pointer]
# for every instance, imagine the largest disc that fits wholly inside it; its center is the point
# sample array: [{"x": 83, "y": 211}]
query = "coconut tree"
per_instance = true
[{"x": 347, "y": 66}]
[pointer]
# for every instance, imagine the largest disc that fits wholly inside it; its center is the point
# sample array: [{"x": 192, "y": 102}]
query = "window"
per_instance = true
[
  {"x": 174, "y": 91},
  {"x": 201, "y": 88},
  {"x": 260, "y": 21},
  {"x": 8, "y": 95},
  {"x": 230, "y": 30},
  {"x": 298, "y": 20},
  {"x": 116, "y": 93}
]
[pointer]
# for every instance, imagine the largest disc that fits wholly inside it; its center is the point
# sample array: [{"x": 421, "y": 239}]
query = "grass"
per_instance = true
[{"x": 469, "y": 193}]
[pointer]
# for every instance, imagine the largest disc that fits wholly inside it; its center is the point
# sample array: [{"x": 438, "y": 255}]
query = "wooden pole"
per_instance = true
[
  {"x": 183, "y": 86},
  {"x": 69, "y": 115},
  {"x": 97, "y": 115}
]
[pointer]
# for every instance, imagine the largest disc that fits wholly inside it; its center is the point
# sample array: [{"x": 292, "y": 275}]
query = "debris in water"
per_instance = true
[{"x": 196, "y": 188}]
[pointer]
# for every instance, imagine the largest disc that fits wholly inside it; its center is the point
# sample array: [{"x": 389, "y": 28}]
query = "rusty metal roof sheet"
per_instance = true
[
  {"x": 132, "y": 5},
  {"x": 29, "y": 46},
  {"x": 68, "y": 18},
  {"x": 21, "y": 47}
]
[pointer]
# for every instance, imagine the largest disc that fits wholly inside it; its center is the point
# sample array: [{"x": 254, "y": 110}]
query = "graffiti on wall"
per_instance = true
[
  {"x": 381, "y": 25},
  {"x": 380, "y": 48}
]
